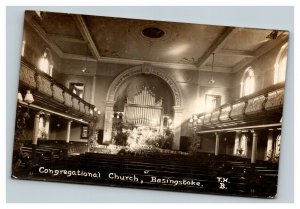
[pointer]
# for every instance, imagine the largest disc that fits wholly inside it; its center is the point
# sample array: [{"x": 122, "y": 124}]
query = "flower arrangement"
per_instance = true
[{"x": 144, "y": 138}]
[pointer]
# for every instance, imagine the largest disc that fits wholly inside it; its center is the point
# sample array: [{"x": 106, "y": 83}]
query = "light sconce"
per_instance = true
[
  {"x": 195, "y": 120},
  {"x": 84, "y": 69},
  {"x": 28, "y": 97},
  {"x": 95, "y": 111},
  {"x": 20, "y": 98}
]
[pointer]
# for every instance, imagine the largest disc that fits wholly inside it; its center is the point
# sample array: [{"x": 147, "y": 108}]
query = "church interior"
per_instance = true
[{"x": 126, "y": 95}]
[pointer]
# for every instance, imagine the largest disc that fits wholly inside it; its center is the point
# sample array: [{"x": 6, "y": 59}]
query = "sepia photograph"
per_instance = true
[{"x": 150, "y": 104}]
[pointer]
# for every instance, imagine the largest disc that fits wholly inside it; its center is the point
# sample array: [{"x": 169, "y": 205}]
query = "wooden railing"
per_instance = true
[
  {"x": 41, "y": 82},
  {"x": 260, "y": 104}
]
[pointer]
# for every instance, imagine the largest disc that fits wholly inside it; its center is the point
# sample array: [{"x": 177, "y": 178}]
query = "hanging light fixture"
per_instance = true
[
  {"x": 99, "y": 112},
  {"x": 212, "y": 80},
  {"x": 28, "y": 97},
  {"x": 84, "y": 70}
]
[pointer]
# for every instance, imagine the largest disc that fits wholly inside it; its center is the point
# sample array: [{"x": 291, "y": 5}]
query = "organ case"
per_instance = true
[{"x": 143, "y": 109}]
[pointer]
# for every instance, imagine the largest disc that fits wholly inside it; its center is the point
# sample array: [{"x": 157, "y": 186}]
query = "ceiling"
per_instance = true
[{"x": 183, "y": 45}]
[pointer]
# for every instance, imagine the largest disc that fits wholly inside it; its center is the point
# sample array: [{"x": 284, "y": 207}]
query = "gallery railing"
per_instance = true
[
  {"x": 48, "y": 88},
  {"x": 265, "y": 105}
]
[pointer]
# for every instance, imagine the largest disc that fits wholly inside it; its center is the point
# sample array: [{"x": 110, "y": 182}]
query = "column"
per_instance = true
[
  {"x": 68, "y": 131},
  {"x": 35, "y": 136},
  {"x": 36, "y": 128},
  {"x": 109, "y": 111},
  {"x": 177, "y": 127},
  {"x": 254, "y": 146},
  {"x": 217, "y": 145},
  {"x": 47, "y": 125}
]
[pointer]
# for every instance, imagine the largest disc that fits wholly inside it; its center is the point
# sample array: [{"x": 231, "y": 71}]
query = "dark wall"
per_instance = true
[{"x": 58, "y": 129}]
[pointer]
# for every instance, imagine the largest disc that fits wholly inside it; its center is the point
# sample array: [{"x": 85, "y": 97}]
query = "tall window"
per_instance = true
[
  {"x": 240, "y": 146},
  {"x": 44, "y": 63},
  {"x": 280, "y": 65},
  {"x": 247, "y": 83},
  {"x": 44, "y": 126},
  {"x": 273, "y": 148}
]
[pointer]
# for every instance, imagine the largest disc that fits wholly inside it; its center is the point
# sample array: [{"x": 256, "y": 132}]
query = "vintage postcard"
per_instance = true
[{"x": 150, "y": 104}]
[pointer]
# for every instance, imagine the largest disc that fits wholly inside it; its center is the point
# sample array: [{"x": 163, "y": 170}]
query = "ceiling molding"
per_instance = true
[
  {"x": 79, "y": 21},
  {"x": 78, "y": 57},
  {"x": 48, "y": 40},
  {"x": 216, "y": 45},
  {"x": 66, "y": 38},
  {"x": 43, "y": 35},
  {"x": 164, "y": 65},
  {"x": 218, "y": 69},
  {"x": 281, "y": 39},
  {"x": 234, "y": 52},
  {"x": 63, "y": 55}
]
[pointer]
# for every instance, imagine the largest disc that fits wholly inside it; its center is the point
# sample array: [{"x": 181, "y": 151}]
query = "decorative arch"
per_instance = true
[
  {"x": 137, "y": 70},
  {"x": 280, "y": 64},
  {"x": 144, "y": 69}
]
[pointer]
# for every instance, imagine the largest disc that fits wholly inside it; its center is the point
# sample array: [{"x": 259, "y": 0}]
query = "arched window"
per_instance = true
[
  {"x": 247, "y": 83},
  {"x": 45, "y": 62},
  {"x": 280, "y": 64}
]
